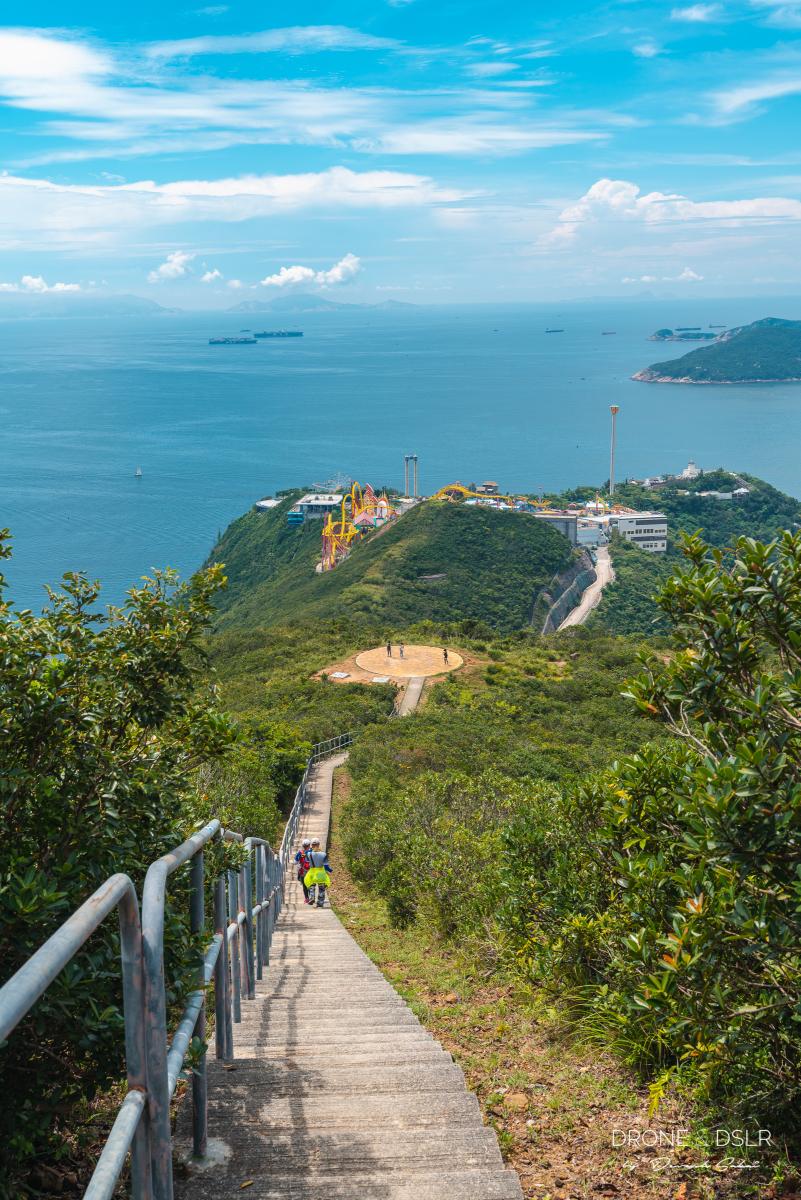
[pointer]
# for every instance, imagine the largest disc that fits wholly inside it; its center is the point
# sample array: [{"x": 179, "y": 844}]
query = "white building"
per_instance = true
[
  {"x": 267, "y": 503},
  {"x": 691, "y": 471},
  {"x": 318, "y": 504},
  {"x": 648, "y": 530}
]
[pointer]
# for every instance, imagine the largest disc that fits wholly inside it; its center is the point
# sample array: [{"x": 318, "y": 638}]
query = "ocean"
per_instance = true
[{"x": 476, "y": 392}]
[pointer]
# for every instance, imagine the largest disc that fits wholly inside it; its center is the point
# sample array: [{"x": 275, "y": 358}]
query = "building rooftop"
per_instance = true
[{"x": 321, "y": 498}]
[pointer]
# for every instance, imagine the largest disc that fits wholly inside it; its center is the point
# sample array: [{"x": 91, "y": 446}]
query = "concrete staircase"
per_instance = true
[{"x": 338, "y": 1092}]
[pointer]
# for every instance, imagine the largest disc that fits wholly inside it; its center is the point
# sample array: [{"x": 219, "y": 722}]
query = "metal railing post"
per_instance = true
[
  {"x": 246, "y": 906},
  {"x": 233, "y": 914},
  {"x": 197, "y": 922},
  {"x": 222, "y": 982},
  {"x": 258, "y": 858}
]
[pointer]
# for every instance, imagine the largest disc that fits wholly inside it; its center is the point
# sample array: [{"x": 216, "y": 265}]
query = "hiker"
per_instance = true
[
  {"x": 389, "y": 649},
  {"x": 400, "y": 650},
  {"x": 302, "y": 859},
  {"x": 445, "y": 655},
  {"x": 318, "y": 874}
]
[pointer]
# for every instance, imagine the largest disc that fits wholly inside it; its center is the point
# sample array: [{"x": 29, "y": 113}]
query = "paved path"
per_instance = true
[
  {"x": 339, "y": 1093},
  {"x": 411, "y": 697},
  {"x": 592, "y": 594}
]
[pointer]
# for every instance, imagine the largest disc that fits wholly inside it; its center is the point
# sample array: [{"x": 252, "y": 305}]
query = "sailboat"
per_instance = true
[{"x": 138, "y": 473}]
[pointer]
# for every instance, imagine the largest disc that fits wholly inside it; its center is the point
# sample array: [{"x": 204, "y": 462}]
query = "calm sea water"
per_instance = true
[{"x": 476, "y": 393}]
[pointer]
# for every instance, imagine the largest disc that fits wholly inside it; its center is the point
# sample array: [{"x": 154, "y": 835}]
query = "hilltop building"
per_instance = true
[
  {"x": 314, "y": 506},
  {"x": 648, "y": 530}
]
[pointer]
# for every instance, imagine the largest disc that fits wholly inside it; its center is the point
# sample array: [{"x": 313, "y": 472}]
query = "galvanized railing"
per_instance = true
[
  {"x": 247, "y": 903},
  {"x": 321, "y": 750}
]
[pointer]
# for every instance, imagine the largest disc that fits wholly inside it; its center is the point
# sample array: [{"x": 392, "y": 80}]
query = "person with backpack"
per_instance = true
[
  {"x": 318, "y": 874},
  {"x": 302, "y": 859}
]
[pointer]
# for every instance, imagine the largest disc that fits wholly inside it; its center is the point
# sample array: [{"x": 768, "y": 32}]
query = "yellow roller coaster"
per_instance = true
[
  {"x": 457, "y": 491},
  {"x": 361, "y": 510}
]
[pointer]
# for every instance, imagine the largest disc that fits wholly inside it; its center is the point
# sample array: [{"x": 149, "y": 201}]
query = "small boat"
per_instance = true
[
  {"x": 138, "y": 473},
  {"x": 608, "y": 332},
  {"x": 554, "y": 331},
  {"x": 232, "y": 341}
]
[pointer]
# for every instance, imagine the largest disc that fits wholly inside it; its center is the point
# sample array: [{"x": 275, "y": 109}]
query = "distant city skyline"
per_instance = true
[{"x": 403, "y": 149}]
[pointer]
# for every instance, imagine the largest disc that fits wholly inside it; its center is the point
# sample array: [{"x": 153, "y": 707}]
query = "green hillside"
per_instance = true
[
  {"x": 768, "y": 351},
  {"x": 627, "y": 605},
  {"x": 439, "y": 562}
]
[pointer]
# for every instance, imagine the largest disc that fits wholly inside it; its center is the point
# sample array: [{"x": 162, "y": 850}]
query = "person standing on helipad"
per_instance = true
[
  {"x": 445, "y": 655},
  {"x": 389, "y": 649},
  {"x": 400, "y": 650}
]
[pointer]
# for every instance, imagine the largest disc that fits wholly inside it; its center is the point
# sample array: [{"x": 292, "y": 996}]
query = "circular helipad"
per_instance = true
[{"x": 416, "y": 660}]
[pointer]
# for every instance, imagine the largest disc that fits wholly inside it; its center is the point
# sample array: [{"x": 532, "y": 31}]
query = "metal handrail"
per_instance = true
[{"x": 247, "y": 903}]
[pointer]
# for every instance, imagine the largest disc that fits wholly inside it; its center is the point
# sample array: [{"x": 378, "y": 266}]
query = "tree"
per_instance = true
[
  {"x": 722, "y": 959},
  {"x": 104, "y": 721}
]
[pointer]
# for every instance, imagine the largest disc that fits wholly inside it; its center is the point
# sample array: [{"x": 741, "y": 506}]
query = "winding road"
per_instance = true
[{"x": 605, "y": 574}]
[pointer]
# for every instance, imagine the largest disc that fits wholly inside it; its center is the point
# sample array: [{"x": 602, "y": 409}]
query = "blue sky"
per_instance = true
[{"x": 419, "y": 150}]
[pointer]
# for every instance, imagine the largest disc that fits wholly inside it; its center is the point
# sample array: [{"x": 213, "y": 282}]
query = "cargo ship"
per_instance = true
[
  {"x": 232, "y": 341},
  {"x": 267, "y": 333}
]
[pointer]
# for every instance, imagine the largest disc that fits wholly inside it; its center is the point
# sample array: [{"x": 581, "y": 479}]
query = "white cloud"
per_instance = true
[
  {"x": 294, "y": 39},
  {"x": 289, "y": 277},
  {"x": 77, "y": 215},
  {"x": 91, "y": 105},
  {"x": 341, "y": 272},
  {"x": 618, "y": 200},
  {"x": 646, "y": 50},
  {"x": 743, "y": 99},
  {"x": 35, "y": 283},
  {"x": 782, "y": 14},
  {"x": 685, "y": 276},
  {"x": 698, "y": 13},
  {"x": 488, "y": 69},
  {"x": 235, "y": 284},
  {"x": 211, "y": 276},
  {"x": 472, "y": 136},
  {"x": 175, "y": 266}
]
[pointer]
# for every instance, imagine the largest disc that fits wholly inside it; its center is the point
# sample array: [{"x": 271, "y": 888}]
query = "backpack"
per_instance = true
[{"x": 303, "y": 865}]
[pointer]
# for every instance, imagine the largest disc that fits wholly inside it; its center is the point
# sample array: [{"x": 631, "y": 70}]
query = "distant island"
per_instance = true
[
  {"x": 682, "y": 335},
  {"x": 17, "y": 305},
  {"x": 767, "y": 351}
]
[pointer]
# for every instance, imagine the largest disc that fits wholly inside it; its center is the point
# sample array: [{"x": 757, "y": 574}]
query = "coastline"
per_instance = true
[{"x": 647, "y": 377}]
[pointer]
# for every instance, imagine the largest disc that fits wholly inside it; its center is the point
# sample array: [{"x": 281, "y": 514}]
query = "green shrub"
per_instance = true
[{"x": 103, "y": 723}]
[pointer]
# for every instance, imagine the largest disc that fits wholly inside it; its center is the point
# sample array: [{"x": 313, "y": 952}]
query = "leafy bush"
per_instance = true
[
  {"x": 250, "y": 788},
  {"x": 104, "y": 720},
  {"x": 684, "y": 925}
]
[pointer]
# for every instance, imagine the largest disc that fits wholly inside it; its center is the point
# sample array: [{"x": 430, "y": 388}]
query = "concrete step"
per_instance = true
[
  {"x": 323, "y": 1112},
  {"x": 379, "y": 1017},
  {"x": 344, "y": 1057},
  {"x": 358, "y": 1042},
  {"x": 445, "y": 1184},
  {"x": 264, "y": 1079},
  {"x": 259, "y": 1151}
]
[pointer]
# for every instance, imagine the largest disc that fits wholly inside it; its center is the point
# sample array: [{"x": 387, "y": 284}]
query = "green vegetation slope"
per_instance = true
[
  {"x": 768, "y": 351},
  {"x": 439, "y": 562},
  {"x": 627, "y": 605}
]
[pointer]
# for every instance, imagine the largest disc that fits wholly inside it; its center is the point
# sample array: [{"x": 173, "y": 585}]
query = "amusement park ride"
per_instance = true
[{"x": 361, "y": 510}]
